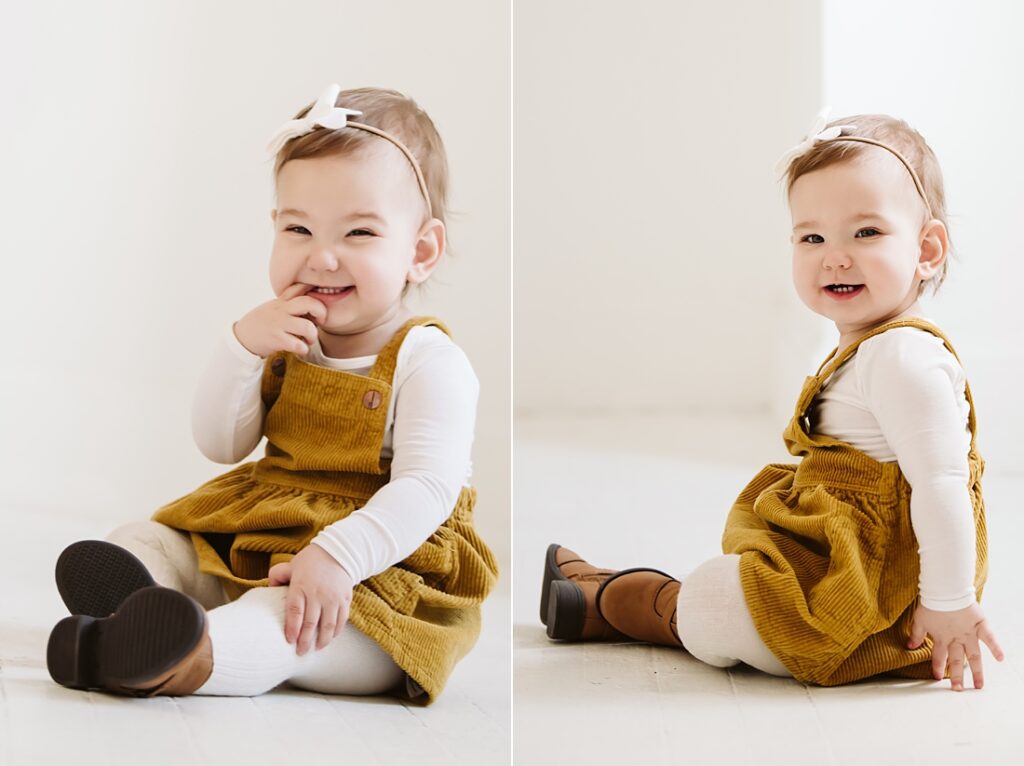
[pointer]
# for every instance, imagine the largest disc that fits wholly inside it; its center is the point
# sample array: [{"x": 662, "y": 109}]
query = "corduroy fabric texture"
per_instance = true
[
  {"x": 325, "y": 430},
  {"x": 829, "y": 560}
]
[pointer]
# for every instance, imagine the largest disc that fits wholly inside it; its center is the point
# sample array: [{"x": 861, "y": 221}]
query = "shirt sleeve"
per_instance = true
[
  {"x": 914, "y": 387},
  {"x": 227, "y": 410},
  {"x": 435, "y": 414}
]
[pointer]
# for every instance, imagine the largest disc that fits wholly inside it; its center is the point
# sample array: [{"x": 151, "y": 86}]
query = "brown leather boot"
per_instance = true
[
  {"x": 642, "y": 604},
  {"x": 157, "y": 642},
  {"x": 568, "y": 598}
]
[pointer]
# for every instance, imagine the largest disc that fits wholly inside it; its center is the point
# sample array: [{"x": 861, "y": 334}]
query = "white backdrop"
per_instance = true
[
  {"x": 651, "y": 252},
  {"x": 651, "y": 237},
  {"x": 136, "y": 225}
]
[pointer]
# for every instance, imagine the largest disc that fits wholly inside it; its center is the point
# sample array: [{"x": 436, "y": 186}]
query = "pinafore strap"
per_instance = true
[
  {"x": 387, "y": 359},
  {"x": 836, "y": 360}
]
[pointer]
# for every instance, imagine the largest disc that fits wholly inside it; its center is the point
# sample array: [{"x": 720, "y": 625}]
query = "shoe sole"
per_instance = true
[
  {"x": 94, "y": 577},
  {"x": 135, "y": 651},
  {"x": 551, "y": 574},
  {"x": 567, "y": 611}
]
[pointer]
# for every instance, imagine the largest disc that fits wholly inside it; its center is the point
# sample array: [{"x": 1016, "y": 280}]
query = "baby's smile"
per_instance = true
[
  {"x": 842, "y": 292},
  {"x": 331, "y": 294}
]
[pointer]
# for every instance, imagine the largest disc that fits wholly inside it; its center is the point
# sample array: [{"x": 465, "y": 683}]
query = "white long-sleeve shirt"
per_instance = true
[
  {"x": 429, "y": 435},
  {"x": 901, "y": 398}
]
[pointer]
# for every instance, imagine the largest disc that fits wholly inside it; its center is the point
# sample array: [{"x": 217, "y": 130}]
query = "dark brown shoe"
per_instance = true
[
  {"x": 157, "y": 642},
  {"x": 567, "y": 601},
  {"x": 641, "y": 603}
]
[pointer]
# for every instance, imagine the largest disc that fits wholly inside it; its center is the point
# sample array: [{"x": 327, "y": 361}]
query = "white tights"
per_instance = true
[
  {"x": 250, "y": 653},
  {"x": 714, "y": 623}
]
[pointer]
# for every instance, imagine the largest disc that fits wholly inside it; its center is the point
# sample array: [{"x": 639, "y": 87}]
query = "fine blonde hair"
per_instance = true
[
  {"x": 901, "y": 137},
  {"x": 391, "y": 112}
]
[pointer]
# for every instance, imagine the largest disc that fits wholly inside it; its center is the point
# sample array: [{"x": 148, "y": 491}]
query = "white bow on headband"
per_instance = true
[
  {"x": 323, "y": 113},
  {"x": 818, "y": 132}
]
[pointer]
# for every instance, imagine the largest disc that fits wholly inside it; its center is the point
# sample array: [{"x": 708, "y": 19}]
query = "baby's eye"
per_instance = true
[
  {"x": 812, "y": 239},
  {"x": 361, "y": 233},
  {"x": 870, "y": 231},
  {"x": 297, "y": 229}
]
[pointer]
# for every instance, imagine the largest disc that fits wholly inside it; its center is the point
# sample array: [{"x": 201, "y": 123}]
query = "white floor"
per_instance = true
[
  {"x": 639, "y": 492},
  {"x": 43, "y": 723}
]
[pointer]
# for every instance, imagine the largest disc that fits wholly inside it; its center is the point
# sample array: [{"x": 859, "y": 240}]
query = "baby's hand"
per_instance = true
[
  {"x": 955, "y": 634},
  {"x": 319, "y": 596},
  {"x": 283, "y": 324}
]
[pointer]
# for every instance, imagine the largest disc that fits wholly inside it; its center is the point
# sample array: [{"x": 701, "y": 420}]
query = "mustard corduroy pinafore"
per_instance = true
[
  {"x": 829, "y": 561},
  {"x": 325, "y": 429}
]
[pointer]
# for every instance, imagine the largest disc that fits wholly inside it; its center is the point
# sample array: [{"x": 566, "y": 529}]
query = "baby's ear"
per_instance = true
[
  {"x": 934, "y": 249},
  {"x": 430, "y": 244}
]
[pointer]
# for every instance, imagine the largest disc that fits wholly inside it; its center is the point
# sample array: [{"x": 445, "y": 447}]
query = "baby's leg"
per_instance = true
[
  {"x": 171, "y": 559},
  {"x": 714, "y": 623},
  {"x": 251, "y": 655}
]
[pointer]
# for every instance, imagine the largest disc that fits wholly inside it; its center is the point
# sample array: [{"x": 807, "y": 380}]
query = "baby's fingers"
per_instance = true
[
  {"x": 309, "y": 307},
  {"x": 940, "y": 652},
  {"x": 293, "y": 291},
  {"x": 301, "y": 328},
  {"x": 986, "y": 635},
  {"x": 974, "y": 658},
  {"x": 916, "y": 635},
  {"x": 280, "y": 574},
  {"x": 343, "y": 610},
  {"x": 328, "y": 627},
  {"x": 290, "y": 342},
  {"x": 956, "y": 667},
  {"x": 295, "y": 610},
  {"x": 310, "y": 623}
]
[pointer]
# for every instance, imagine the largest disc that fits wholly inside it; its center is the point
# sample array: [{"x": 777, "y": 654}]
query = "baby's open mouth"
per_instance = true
[
  {"x": 331, "y": 290},
  {"x": 843, "y": 289}
]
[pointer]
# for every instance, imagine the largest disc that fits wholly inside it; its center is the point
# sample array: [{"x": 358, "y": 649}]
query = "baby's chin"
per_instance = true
[
  {"x": 334, "y": 329},
  {"x": 835, "y": 313},
  {"x": 337, "y": 330}
]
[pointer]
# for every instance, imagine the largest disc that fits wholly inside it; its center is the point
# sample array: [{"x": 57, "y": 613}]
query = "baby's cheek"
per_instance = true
[
  {"x": 801, "y": 282},
  {"x": 281, "y": 275},
  {"x": 278, "y": 286}
]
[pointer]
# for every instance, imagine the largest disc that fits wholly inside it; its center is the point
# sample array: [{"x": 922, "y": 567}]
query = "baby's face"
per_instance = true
[
  {"x": 347, "y": 227},
  {"x": 857, "y": 232}
]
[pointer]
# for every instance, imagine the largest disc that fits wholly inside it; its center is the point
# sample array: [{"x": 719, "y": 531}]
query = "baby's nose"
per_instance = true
[
  {"x": 836, "y": 258},
  {"x": 323, "y": 258}
]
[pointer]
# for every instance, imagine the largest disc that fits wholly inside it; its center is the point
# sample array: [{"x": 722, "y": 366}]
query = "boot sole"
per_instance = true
[
  {"x": 566, "y": 611},
  {"x": 135, "y": 651},
  {"x": 94, "y": 577},
  {"x": 551, "y": 574}
]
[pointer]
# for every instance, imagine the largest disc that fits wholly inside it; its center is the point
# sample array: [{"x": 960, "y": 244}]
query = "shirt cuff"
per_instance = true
[
  {"x": 948, "y": 605},
  {"x": 323, "y": 542}
]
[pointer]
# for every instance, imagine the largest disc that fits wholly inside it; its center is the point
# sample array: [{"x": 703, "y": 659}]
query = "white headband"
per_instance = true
[{"x": 325, "y": 114}]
